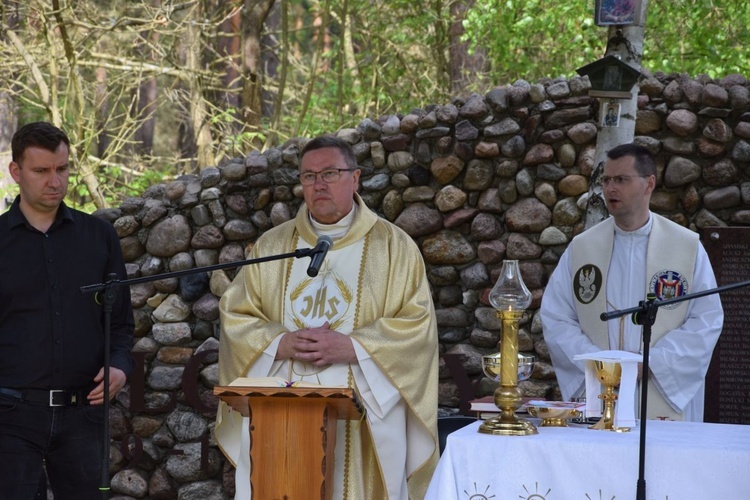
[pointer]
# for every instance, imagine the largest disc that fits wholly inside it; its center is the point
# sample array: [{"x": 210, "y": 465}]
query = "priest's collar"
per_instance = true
[
  {"x": 644, "y": 230},
  {"x": 337, "y": 229}
]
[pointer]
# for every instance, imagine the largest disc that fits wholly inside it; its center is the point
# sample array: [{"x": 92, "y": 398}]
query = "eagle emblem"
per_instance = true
[{"x": 587, "y": 283}]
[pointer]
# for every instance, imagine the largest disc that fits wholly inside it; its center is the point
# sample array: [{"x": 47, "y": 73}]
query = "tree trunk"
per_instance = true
[
  {"x": 229, "y": 48},
  {"x": 319, "y": 46},
  {"x": 464, "y": 68},
  {"x": 625, "y": 42},
  {"x": 145, "y": 109},
  {"x": 348, "y": 46},
  {"x": 102, "y": 112},
  {"x": 8, "y": 125},
  {"x": 254, "y": 15},
  {"x": 281, "y": 86},
  {"x": 270, "y": 48},
  {"x": 197, "y": 105},
  {"x": 145, "y": 102},
  {"x": 9, "y": 16}
]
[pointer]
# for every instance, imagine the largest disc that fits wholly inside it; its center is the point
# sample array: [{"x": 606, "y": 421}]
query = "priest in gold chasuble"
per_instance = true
[{"x": 366, "y": 321}]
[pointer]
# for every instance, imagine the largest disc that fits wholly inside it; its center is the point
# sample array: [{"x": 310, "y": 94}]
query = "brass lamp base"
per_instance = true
[
  {"x": 507, "y": 426},
  {"x": 608, "y": 425}
]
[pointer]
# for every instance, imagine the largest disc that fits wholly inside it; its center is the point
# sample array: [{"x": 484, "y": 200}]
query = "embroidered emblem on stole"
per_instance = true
[
  {"x": 332, "y": 296},
  {"x": 587, "y": 282},
  {"x": 316, "y": 301},
  {"x": 666, "y": 284}
]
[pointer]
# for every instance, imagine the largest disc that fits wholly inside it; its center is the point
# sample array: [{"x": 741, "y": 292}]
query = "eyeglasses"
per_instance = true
[
  {"x": 329, "y": 176},
  {"x": 619, "y": 180}
]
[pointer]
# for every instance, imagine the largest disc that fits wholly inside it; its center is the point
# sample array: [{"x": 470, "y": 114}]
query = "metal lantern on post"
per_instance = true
[
  {"x": 610, "y": 77},
  {"x": 510, "y": 298}
]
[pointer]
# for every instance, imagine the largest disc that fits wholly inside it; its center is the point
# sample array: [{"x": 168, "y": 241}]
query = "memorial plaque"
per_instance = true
[{"x": 728, "y": 378}]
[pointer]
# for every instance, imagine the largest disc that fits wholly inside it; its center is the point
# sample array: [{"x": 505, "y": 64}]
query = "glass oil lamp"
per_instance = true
[{"x": 510, "y": 298}]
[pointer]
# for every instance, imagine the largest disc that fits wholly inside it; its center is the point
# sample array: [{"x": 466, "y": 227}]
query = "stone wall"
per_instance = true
[{"x": 498, "y": 176}]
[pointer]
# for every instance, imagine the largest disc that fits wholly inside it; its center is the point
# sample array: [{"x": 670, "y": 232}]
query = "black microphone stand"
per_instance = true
[
  {"x": 110, "y": 293},
  {"x": 108, "y": 299},
  {"x": 645, "y": 315}
]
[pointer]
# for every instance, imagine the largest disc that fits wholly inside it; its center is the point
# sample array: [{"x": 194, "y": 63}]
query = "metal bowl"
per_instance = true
[
  {"x": 553, "y": 417},
  {"x": 491, "y": 366}
]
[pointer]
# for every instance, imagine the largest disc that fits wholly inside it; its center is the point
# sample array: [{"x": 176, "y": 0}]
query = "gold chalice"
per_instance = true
[
  {"x": 554, "y": 414},
  {"x": 608, "y": 373},
  {"x": 491, "y": 366}
]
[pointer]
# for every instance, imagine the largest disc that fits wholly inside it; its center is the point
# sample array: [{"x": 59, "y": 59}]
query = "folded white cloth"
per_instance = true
[{"x": 625, "y": 406}]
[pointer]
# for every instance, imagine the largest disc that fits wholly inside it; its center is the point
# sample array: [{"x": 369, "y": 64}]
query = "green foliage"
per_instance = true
[
  {"x": 372, "y": 57},
  {"x": 396, "y": 61},
  {"x": 698, "y": 37},
  {"x": 9, "y": 192},
  {"x": 534, "y": 39}
]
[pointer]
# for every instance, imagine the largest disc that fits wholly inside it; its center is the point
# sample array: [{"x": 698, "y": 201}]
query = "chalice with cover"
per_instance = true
[{"x": 608, "y": 373}]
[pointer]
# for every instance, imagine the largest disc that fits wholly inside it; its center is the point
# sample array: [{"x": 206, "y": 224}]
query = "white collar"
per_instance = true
[
  {"x": 337, "y": 229},
  {"x": 644, "y": 230}
]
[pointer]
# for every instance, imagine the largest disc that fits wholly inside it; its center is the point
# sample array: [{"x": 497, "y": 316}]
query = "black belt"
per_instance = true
[{"x": 52, "y": 397}]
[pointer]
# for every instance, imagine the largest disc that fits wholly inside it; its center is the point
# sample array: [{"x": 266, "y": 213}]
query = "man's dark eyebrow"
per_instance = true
[{"x": 321, "y": 170}]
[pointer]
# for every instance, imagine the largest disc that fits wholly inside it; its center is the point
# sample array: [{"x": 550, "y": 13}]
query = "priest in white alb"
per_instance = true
[
  {"x": 366, "y": 321},
  {"x": 613, "y": 266}
]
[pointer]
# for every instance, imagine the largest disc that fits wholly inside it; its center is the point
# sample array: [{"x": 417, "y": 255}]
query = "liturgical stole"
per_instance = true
[{"x": 670, "y": 262}]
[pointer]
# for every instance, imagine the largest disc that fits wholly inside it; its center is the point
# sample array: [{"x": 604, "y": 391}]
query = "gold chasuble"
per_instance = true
[{"x": 372, "y": 286}]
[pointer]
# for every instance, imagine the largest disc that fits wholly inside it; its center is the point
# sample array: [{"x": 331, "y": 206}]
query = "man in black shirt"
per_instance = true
[{"x": 51, "y": 334}]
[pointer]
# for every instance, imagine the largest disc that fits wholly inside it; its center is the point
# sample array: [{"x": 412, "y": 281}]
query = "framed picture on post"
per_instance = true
[
  {"x": 610, "y": 114},
  {"x": 617, "y": 12}
]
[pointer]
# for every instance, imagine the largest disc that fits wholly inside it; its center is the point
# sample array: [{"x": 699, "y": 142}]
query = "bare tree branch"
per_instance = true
[{"x": 44, "y": 92}]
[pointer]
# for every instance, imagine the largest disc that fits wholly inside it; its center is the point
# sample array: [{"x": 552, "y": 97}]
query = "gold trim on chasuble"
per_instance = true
[{"x": 333, "y": 296}]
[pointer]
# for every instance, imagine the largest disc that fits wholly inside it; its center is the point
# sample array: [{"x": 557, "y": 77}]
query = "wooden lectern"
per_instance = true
[{"x": 292, "y": 437}]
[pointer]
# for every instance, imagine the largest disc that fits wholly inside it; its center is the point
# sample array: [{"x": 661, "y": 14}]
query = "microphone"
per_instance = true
[{"x": 319, "y": 254}]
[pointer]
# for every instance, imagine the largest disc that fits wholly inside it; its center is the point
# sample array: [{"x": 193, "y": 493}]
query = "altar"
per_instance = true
[{"x": 684, "y": 461}]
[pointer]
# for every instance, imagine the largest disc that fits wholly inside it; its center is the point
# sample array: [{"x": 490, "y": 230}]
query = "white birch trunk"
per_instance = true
[{"x": 629, "y": 48}]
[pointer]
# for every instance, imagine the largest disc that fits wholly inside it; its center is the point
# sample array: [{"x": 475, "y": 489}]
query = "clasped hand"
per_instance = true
[{"x": 318, "y": 346}]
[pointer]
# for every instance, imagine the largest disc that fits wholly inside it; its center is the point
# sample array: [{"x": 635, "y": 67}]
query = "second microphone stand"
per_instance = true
[
  {"x": 109, "y": 289},
  {"x": 645, "y": 315}
]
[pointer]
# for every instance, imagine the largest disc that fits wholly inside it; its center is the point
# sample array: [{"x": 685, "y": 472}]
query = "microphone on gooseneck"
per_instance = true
[{"x": 322, "y": 246}]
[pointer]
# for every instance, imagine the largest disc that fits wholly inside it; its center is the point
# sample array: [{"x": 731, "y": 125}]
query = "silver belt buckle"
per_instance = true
[{"x": 52, "y": 397}]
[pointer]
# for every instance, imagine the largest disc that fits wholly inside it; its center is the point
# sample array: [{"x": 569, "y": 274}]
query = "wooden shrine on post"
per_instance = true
[{"x": 292, "y": 436}]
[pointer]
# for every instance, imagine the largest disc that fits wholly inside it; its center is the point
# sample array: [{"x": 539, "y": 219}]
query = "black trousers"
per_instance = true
[{"x": 65, "y": 439}]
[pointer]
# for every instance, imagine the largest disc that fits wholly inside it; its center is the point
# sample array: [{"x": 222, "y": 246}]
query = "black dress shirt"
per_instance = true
[{"x": 51, "y": 334}]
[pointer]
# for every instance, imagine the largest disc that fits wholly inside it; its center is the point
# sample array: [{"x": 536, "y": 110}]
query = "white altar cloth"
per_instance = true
[{"x": 684, "y": 461}]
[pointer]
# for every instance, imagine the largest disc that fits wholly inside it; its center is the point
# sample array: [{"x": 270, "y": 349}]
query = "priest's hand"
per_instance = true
[
  {"x": 286, "y": 346},
  {"x": 322, "y": 346}
]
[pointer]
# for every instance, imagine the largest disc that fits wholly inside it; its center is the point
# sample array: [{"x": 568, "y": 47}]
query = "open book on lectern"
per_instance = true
[
  {"x": 278, "y": 386},
  {"x": 277, "y": 382}
]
